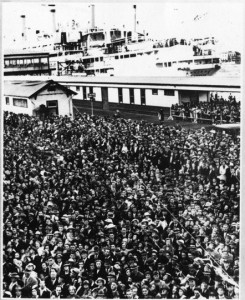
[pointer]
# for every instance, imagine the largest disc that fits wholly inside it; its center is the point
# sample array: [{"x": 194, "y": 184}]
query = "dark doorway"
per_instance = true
[
  {"x": 105, "y": 102},
  {"x": 189, "y": 98},
  {"x": 52, "y": 107}
]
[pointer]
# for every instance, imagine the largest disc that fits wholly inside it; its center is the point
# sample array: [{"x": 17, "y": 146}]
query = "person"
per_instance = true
[
  {"x": 100, "y": 291},
  {"x": 57, "y": 293},
  {"x": 125, "y": 217},
  {"x": 51, "y": 281},
  {"x": 161, "y": 115},
  {"x": 72, "y": 292},
  {"x": 43, "y": 291}
]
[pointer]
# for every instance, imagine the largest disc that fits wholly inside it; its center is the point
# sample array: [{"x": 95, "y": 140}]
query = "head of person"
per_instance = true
[
  {"x": 72, "y": 290},
  {"x": 220, "y": 291},
  {"x": 53, "y": 274},
  {"x": 18, "y": 291},
  {"x": 129, "y": 294}
]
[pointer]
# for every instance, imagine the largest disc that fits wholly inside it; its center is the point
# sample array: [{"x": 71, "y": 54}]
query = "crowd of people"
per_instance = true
[
  {"x": 104, "y": 207},
  {"x": 217, "y": 111}
]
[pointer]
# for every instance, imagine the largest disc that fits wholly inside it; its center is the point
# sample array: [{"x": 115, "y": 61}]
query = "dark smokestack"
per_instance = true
[
  {"x": 135, "y": 22},
  {"x": 92, "y": 16},
  {"x": 53, "y": 20},
  {"x": 23, "y": 27}
]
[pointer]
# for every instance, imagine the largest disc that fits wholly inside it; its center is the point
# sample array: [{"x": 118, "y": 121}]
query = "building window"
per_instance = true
[
  {"x": 7, "y": 100},
  {"x": 131, "y": 96},
  {"x": 91, "y": 90},
  {"x": 77, "y": 88},
  {"x": 120, "y": 95},
  {"x": 142, "y": 96},
  {"x": 52, "y": 103},
  {"x": 155, "y": 92},
  {"x": 168, "y": 92},
  {"x": 20, "y": 102},
  {"x": 84, "y": 93}
]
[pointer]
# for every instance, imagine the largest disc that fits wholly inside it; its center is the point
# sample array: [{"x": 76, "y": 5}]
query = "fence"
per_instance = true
[{"x": 196, "y": 117}]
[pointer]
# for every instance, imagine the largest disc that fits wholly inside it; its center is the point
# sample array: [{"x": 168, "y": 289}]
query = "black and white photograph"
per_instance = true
[{"x": 121, "y": 150}]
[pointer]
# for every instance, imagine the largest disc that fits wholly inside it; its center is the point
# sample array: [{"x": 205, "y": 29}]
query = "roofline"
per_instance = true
[
  {"x": 48, "y": 83},
  {"x": 27, "y": 54},
  {"x": 153, "y": 84},
  {"x": 62, "y": 87}
]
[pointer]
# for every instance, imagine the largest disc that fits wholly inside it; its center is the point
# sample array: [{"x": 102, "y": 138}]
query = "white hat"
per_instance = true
[{"x": 110, "y": 226}]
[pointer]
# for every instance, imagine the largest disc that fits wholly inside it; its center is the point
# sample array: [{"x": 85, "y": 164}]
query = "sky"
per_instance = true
[{"x": 223, "y": 20}]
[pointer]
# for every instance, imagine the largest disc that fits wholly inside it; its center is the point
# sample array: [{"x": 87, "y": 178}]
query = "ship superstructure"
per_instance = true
[{"x": 121, "y": 52}]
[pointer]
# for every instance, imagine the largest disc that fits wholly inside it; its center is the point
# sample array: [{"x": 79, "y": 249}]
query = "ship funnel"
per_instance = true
[
  {"x": 53, "y": 20},
  {"x": 92, "y": 16},
  {"x": 135, "y": 22},
  {"x": 23, "y": 27}
]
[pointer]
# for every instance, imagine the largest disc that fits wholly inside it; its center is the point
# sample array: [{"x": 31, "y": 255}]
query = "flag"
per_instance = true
[{"x": 225, "y": 277}]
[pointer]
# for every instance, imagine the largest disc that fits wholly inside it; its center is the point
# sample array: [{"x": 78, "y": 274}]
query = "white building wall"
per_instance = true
[
  {"x": 97, "y": 91},
  {"x": 79, "y": 91},
  {"x": 16, "y": 109},
  {"x": 64, "y": 106},
  {"x": 160, "y": 99},
  {"x": 137, "y": 99},
  {"x": 203, "y": 96},
  {"x": 113, "y": 95},
  {"x": 126, "y": 99}
]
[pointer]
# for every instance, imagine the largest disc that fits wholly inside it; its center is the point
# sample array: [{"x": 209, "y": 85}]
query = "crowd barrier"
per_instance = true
[{"x": 193, "y": 117}]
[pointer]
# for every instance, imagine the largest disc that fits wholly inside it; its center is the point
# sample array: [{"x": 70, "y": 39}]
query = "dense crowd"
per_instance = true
[
  {"x": 103, "y": 207},
  {"x": 217, "y": 111}
]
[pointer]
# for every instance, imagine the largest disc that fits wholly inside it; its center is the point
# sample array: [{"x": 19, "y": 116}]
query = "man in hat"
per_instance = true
[
  {"x": 136, "y": 275},
  {"x": 14, "y": 281},
  {"x": 85, "y": 259},
  {"x": 52, "y": 281},
  {"x": 204, "y": 288},
  {"x": 192, "y": 286},
  {"x": 100, "y": 270},
  {"x": 28, "y": 281}
]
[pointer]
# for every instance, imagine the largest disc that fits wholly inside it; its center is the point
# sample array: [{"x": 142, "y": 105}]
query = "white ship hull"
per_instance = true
[{"x": 173, "y": 61}]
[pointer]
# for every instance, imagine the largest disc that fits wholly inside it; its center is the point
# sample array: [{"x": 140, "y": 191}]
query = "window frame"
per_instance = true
[
  {"x": 20, "y": 99},
  {"x": 84, "y": 92},
  {"x": 7, "y": 101},
  {"x": 142, "y": 97},
  {"x": 169, "y": 92},
  {"x": 120, "y": 95},
  {"x": 131, "y": 96}
]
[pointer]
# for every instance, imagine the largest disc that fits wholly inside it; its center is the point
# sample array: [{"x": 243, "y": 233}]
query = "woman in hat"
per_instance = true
[
  {"x": 100, "y": 291},
  {"x": 84, "y": 291}
]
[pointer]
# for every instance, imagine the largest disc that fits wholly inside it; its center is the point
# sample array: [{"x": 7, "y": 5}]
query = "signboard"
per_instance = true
[{"x": 92, "y": 95}]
